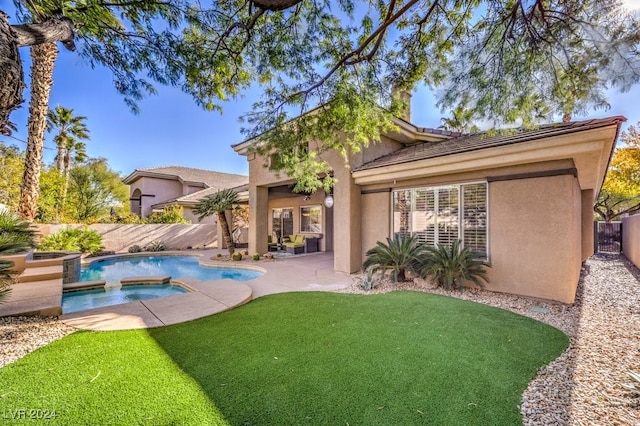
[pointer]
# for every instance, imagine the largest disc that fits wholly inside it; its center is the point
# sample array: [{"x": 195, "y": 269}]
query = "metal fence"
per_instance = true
[{"x": 608, "y": 237}]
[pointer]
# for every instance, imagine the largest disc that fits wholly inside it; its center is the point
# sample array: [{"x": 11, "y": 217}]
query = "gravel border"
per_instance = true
[
  {"x": 581, "y": 387},
  {"x": 22, "y": 335}
]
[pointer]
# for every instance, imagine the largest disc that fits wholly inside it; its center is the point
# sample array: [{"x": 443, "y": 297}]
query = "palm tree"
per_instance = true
[
  {"x": 218, "y": 203},
  {"x": 43, "y": 58},
  {"x": 69, "y": 129},
  {"x": 16, "y": 236}
]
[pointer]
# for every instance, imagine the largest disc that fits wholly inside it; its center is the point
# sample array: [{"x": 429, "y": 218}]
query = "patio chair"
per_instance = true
[
  {"x": 295, "y": 244},
  {"x": 272, "y": 246}
]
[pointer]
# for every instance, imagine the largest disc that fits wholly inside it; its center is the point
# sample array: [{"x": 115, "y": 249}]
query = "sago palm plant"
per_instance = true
[
  {"x": 397, "y": 257},
  {"x": 452, "y": 266},
  {"x": 16, "y": 236}
]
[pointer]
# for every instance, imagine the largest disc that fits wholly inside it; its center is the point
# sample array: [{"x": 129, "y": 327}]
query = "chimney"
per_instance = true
[{"x": 405, "y": 96}]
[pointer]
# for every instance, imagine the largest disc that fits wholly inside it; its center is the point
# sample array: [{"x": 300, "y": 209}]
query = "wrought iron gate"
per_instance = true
[{"x": 608, "y": 237}]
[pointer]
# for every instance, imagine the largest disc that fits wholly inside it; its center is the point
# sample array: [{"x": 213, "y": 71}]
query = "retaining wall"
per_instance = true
[
  {"x": 119, "y": 237},
  {"x": 631, "y": 238}
]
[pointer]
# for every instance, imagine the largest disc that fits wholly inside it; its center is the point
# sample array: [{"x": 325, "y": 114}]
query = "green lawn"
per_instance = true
[{"x": 298, "y": 358}]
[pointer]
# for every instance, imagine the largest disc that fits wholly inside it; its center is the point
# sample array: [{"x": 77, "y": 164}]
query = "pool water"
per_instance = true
[
  {"x": 114, "y": 269},
  {"x": 97, "y": 298}
]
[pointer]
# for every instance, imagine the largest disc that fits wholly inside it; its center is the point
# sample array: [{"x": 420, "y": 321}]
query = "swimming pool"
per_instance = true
[
  {"x": 114, "y": 269},
  {"x": 82, "y": 300}
]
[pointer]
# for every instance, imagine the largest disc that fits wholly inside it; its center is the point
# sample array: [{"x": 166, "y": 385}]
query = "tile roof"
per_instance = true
[
  {"x": 483, "y": 140},
  {"x": 194, "y": 197},
  {"x": 210, "y": 178}
]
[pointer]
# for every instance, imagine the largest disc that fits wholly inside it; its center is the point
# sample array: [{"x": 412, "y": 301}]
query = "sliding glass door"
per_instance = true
[{"x": 281, "y": 223}]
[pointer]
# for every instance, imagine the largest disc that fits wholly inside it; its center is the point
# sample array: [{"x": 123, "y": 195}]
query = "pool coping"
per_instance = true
[
  {"x": 311, "y": 272},
  {"x": 204, "y": 298}
]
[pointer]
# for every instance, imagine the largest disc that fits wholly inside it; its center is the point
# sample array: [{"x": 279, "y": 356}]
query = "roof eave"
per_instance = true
[{"x": 584, "y": 147}]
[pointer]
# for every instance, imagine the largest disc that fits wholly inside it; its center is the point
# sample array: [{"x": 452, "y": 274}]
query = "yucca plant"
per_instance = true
[
  {"x": 16, "y": 236},
  {"x": 452, "y": 266},
  {"x": 397, "y": 257}
]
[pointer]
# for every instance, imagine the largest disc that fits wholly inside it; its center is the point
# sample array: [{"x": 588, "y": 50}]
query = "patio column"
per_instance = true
[
  {"x": 258, "y": 218},
  {"x": 347, "y": 216}
]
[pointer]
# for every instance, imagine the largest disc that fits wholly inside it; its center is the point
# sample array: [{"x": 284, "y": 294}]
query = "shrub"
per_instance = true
[
  {"x": 73, "y": 239},
  {"x": 122, "y": 218},
  {"x": 16, "y": 236},
  {"x": 256, "y": 256},
  {"x": 89, "y": 241},
  {"x": 155, "y": 246},
  {"x": 451, "y": 267},
  {"x": 170, "y": 214},
  {"x": 135, "y": 249},
  {"x": 398, "y": 256},
  {"x": 218, "y": 256},
  {"x": 237, "y": 256}
]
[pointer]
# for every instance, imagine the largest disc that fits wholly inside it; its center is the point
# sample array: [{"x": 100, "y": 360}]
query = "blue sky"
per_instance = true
[{"x": 172, "y": 130}]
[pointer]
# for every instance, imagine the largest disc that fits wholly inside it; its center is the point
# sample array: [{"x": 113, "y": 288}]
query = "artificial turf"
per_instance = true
[{"x": 297, "y": 358}]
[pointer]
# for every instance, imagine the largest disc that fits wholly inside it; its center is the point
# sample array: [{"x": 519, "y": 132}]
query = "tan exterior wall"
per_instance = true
[
  {"x": 539, "y": 231},
  {"x": 535, "y": 228},
  {"x": 162, "y": 189},
  {"x": 631, "y": 238},
  {"x": 587, "y": 224},
  {"x": 376, "y": 217},
  {"x": 295, "y": 202},
  {"x": 342, "y": 221}
]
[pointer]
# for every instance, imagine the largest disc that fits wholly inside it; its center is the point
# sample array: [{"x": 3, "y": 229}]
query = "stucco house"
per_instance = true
[
  {"x": 152, "y": 189},
  {"x": 522, "y": 199}
]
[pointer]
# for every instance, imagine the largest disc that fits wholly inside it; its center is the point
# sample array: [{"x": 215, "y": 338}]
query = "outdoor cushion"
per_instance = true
[
  {"x": 294, "y": 244},
  {"x": 296, "y": 238}
]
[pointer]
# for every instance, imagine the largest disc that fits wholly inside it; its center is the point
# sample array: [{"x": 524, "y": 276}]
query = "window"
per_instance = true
[
  {"x": 441, "y": 215},
  {"x": 311, "y": 219}
]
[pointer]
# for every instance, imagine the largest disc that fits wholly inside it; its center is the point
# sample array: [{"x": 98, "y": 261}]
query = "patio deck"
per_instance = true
[{"x": 312, "y": 272}]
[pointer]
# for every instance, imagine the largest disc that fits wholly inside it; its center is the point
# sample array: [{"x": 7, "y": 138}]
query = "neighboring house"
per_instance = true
[
  {"x": 523, "y": 199},
  {"x": 153, "y": 189}
]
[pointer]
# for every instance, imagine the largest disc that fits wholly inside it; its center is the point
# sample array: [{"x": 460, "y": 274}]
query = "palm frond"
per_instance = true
[
  {"x": 453, "y": 266},
  {"x": 397, "y": 256}
]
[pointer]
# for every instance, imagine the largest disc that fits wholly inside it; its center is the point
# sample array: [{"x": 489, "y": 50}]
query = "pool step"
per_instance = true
[
  {"x": 40, "y": 273},
  {"x": 84, "y": 285},
  {"x": 159, "y": 279},
  {"x": 34, "y": 298}
]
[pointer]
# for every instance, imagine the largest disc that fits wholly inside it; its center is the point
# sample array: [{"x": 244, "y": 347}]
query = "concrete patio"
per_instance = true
[{"x": 313, "y": 272}]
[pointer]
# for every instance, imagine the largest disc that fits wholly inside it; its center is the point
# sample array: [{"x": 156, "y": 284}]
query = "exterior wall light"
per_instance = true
[{"x": 328, "y": 201}]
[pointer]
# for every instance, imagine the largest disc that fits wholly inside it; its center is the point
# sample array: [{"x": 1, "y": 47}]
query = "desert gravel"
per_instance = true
[
  {"x": 22, "y": 335},
  {"x": 581, "y": 387}
]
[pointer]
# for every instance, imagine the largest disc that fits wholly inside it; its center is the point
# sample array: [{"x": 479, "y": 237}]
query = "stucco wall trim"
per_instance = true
[
  {"x": 545, "y": 173},
  {"x": 374, "y": 191}
]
